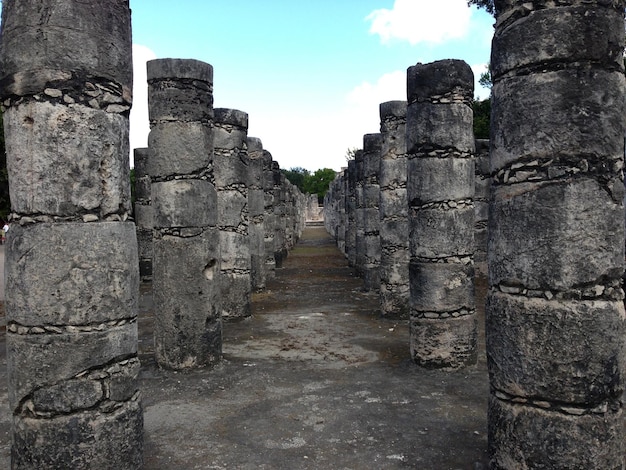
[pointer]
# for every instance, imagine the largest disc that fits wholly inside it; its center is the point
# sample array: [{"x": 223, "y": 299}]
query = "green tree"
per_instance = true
[
  {"x": 319, "y": 182},
  {"x": 297, "y": 176},
  {"x": 485, "y": 79},
  {"x": 488, "y": 5},
  {"x": 482, "y": 116},
  {"x": 351, "y": 153}
]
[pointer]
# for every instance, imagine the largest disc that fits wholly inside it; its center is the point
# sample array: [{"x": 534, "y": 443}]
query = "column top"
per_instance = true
[
  {"x": 232, "y": 117},
  {"x": 435, "y": 79},
  {"x": 180, "y": 69},
  {"x": 391, "y": 109}
]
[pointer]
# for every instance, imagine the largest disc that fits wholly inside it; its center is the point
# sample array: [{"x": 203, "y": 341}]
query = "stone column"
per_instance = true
[
  {"x": 351, "y": 213},
  {"x": 71, "y": 263},
  {"x": 481, "y": 199},
  {"x": 230, "y": 166},
  {"x": 143, "y": 213},
  {"x": 555, "y": 307},
  {"x": 359, "y": 215},
  {"x": 290, "y": 214},
  {"x": 330, "y": 210},
  {"x": 341, "y": 211},
  {"x": 372, "y": 145},
  {"x": 280, "y": 213},
  {"x": 440, "y": 191},
  {"x": 256, "y": 209},
  {"x": 269, "y": 216},
  {"x": 186, "y": 265},
  {"x": 393, "y": 207}
]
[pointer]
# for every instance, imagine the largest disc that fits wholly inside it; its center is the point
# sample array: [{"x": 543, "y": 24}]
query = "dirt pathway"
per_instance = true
[{"x": 314, "y": 380}]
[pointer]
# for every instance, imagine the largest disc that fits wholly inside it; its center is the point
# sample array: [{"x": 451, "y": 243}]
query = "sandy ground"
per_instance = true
[{"x": 315, "y": 379}]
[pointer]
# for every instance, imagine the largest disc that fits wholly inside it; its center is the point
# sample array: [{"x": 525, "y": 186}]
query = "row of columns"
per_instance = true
[
  {"x": 550, "y": 183},
  {"x": 555, "y": 311},
  {"x": 224, "y": 216},
  {"x": 403, "y": 213},
  {"x": 74, "y": 255}
]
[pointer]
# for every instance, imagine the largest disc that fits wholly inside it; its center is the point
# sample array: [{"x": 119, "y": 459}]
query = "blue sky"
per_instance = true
[{"x": 310, "y": 73}]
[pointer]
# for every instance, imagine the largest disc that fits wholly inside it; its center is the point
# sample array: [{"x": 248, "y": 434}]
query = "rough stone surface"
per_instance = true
[
  {"x": 188, "y": 329},
  {"x": 186, "y": 264},
  {"x": 440, "y": 192},
  {"x": 443, "y": 344},
  {"x": 256, "y": 207},
  {"x": 359, "y": 217},
  {"x": 555, "y": 311},
  {"x": 99, "y": 46},
  {"x": 45, "y": 138},
  {"x": 71, "y": 256},
  {"x": 181, "y": 90},
  {"x": 179, "y": 148},
  {"x": 87, "y": 265},
  {"x": 556, "y": 437},
  {"x": 59, "y": 442},
  {"x": 351, "y": 213},
  {"x": 482, "y": 184},
  {"x": 271, "y": 197},
  {"x": 536, "y": 339},
  {"x": 231, "y": 179},
  {"x": 372, "y": 144},
  {"x": 143, "y": 212}
]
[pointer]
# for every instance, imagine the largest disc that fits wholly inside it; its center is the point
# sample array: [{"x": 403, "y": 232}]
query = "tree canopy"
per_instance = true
[
  {"x": 488, "y": 5},
  {"x": 482, "y": 116},
  {"x": 312, "y": 183}
]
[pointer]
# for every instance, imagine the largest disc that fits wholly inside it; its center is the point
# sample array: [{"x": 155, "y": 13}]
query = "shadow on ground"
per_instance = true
[{"x": 315, "y": 379}]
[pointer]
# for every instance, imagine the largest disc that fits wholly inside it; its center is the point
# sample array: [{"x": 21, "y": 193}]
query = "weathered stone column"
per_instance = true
[
  {"x": 372, "y": 145},
  {"x": 555, "y": 310},
  {"x": 481, "y": 199},
  {"x": 440, "y": 191},
  {"x": 359, "y": 215},
  {"x": 393, "y": 207},
  {"x": 143, "y": 212},
  {"x": 330, "y": 209},
  {"x": 291, "y": 213},
  {"x": 351, "y": 213},
  {"x": 186, "y": 265},
  {"x": 71, "y": 263},
  {"x": 256, "y": 209},
  {"x": 280, "y": 216},
  {"x": 230, "y": 166},
  {"x": 341, "y": 211},
  {"x": 269, "y": 216}
]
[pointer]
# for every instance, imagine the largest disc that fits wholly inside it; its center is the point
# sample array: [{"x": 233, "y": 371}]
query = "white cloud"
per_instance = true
[
  {"x": 390, "y": 86},
  {"x": 363, "y": 103},
  {"x": 139, "y": 124},
  {"x": 480, "y": 92},
  {"x": 419, "y": 21}
]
